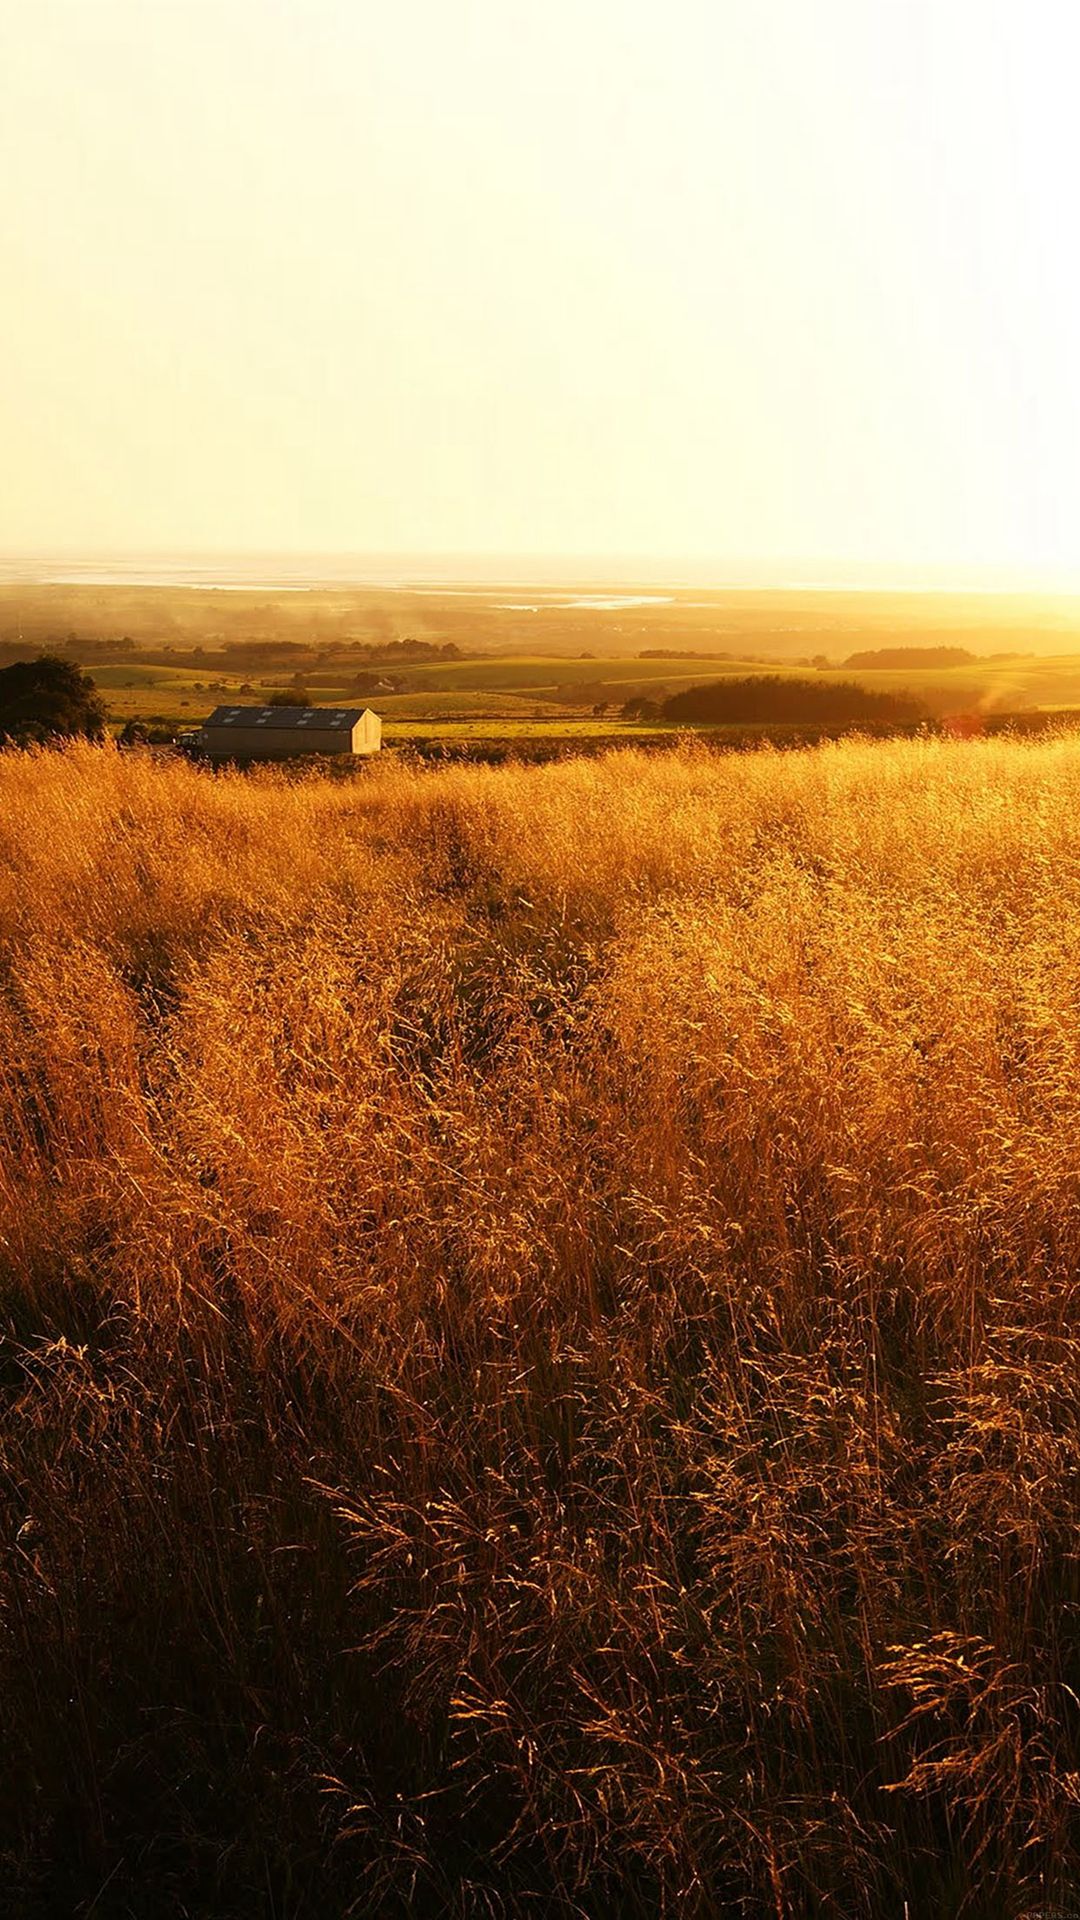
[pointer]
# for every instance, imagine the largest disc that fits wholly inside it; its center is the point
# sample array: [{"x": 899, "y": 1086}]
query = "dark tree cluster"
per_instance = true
[
  {"x": 389, "y": 651},
  {"x": 885, "y": 657},
  {"x": 764, "y": 698},
  {"x": 688, "y": 653},
  {"x": 48, "y": 699}
]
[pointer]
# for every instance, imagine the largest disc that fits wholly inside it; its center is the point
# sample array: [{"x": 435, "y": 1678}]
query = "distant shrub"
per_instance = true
[{"x": 762, "y": 698}]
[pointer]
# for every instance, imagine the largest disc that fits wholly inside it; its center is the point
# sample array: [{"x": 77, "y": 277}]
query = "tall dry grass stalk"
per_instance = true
[{"x": 540, "y": 1361}]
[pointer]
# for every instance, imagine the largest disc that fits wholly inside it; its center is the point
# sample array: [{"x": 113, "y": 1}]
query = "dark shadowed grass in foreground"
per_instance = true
[{"x": 540, "y": 1370}]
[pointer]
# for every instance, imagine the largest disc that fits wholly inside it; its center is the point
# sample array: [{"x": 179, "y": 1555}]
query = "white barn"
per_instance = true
[{"x": 284, "y": 733}]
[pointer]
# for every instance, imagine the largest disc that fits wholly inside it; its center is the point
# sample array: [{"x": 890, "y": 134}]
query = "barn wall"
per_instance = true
[{"x": 280, "y": 743}]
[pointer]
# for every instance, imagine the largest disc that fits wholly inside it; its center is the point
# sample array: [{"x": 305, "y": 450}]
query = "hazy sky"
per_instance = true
[{"x": 758, "y": 281}]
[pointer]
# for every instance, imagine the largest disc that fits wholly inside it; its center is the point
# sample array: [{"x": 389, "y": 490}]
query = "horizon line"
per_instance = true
[{"x": 475, "y": 568}]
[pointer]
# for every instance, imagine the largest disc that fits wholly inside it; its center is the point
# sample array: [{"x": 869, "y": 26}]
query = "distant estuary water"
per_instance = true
[{"x": 242, "y": 573}]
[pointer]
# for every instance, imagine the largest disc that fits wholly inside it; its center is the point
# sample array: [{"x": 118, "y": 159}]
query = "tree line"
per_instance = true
[{"x": 773, "y": 698}]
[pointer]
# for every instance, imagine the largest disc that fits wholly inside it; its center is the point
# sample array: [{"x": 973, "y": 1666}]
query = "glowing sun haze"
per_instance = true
[{"x": 760, "y": 282}]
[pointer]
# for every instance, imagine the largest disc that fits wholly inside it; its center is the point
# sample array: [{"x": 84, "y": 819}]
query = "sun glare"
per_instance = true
[{"x": 787, "y": 289}]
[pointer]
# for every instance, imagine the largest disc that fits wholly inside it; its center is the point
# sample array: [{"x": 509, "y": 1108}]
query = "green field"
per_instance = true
[
  {"x": 526, "y": 661},
  {"x": 509, "y": 696}
]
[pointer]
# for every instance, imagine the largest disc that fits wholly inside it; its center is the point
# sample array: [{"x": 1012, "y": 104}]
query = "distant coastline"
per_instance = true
[{"x": 614, "y": 579}]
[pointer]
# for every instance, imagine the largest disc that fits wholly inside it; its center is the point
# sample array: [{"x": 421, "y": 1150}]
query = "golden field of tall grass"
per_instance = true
[{"x": 541, "y": 1362}]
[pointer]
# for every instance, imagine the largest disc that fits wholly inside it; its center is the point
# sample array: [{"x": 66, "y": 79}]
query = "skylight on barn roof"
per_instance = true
[{"x": 311, "y": 719}]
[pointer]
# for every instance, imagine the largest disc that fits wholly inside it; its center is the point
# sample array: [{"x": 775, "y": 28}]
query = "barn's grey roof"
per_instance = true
[{"x": 313, "y": 719}]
